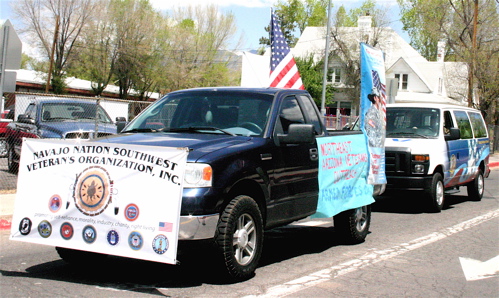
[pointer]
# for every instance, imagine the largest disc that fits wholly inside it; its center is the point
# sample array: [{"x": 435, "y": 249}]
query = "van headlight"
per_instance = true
[
  {"x": 420, "y": 163},
  {"x": 198, "y": 175}
]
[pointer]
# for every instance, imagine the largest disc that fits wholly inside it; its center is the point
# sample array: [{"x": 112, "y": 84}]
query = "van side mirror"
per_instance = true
[
  {"x": 454, "y": 134},
  {"x": 298, "y": 134}
]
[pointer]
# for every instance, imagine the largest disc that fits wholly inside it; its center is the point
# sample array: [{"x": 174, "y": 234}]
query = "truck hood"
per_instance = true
[
  {"x": 62, "y": 128},
  {"x": 199, "y": 144},
  {"x": 416, "y": 145}
]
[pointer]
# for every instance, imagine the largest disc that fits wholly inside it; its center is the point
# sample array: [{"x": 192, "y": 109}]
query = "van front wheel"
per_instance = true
[
  {"x": 476, "y": 187},
  {"x": 435, "y": 193}
]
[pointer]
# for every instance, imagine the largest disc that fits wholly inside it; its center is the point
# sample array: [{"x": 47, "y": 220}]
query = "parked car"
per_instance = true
[
  {"x": 57, "y": 118},
  {"x": 5, "y": 118},
  {"x": 436, "y": 149}
]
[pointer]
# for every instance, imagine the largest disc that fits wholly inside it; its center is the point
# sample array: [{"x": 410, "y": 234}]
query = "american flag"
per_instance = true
[
  {"x": 382, "y": 91},
  {"x": 165, "y": 226},
  {"x": 283, "y": 70}
]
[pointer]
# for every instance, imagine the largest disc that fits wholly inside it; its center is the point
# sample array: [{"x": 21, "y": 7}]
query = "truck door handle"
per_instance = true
[
  {"x": 266, "y": 156},
  {"x": 314, "y": 155}
]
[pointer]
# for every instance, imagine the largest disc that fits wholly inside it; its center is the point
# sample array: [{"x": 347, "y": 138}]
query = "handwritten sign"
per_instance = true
[
  {"x": 343, "y": 166},
  {"x": 114, "y": 199}
]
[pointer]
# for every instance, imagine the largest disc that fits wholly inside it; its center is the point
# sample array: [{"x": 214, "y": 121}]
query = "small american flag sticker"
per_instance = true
[{"x": 165, "y": 226}]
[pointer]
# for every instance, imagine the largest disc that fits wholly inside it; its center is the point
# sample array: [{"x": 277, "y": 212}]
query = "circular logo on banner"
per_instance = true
[
  {"x": 67, "y": 231},
  {"x": 113, "y": 237},
  {"x": 45, "y": 229},
  {"x": 25, "y": 226},
  {"x": 160, "y": 244},
  {"x": 135, "y": 240},
  {"x": 55, "y": 203},
  {"x": 92, "y": 192},
  {"x": 89, "y": 234},
  {"x": 131, "y": 212}
]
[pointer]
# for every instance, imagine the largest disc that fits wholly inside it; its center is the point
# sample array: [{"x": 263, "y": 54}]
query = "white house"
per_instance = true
[{"x": 419, "y": 80}]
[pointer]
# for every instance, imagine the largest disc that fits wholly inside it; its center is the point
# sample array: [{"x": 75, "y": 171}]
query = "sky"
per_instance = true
[{"x": 252, "y": 16}]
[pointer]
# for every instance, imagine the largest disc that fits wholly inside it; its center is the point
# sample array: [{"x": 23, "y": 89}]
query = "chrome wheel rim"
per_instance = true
[
  {"x": 244, "y": 240},
  {"x": 480, "y": 184},
  {"x": 439, "y": 193},
  {"x": 361, "y": 218}
]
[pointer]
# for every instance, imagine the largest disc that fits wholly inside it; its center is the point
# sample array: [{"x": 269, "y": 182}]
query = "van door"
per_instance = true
[{"x": 459, "y": 154}]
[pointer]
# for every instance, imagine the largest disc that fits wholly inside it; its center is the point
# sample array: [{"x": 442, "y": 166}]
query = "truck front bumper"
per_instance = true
[{"x": 197, "y": 227}]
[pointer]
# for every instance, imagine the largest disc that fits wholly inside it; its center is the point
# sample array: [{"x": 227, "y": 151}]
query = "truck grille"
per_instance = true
[
  {"x": 85, "y": 135},
  {"x": 397, "y": 162}
]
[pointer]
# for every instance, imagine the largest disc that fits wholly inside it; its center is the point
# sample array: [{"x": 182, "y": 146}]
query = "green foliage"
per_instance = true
[
  {"x": 311, "y": 74},
  {"x": 295, "y": 16}
]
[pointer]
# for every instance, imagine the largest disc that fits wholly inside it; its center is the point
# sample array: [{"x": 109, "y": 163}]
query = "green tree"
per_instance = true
[
  {"x": 57, "y": 25},
  {"x": 295, "y": 16},
  {"x": 311, "y": 74},
  {"x": 468, "y": 39}
]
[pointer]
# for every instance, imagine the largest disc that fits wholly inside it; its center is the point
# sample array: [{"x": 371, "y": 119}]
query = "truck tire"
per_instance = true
[
  {"x": 353, "y": 225},
  {"x": 476, "y": 187},
  {"x": 13, "y": 166},
  {"x": 79, "y": 257},
  {"x": 3, "y": 147},
  {"x": 239, "y": 238},
  {"x": 435, "y": 193}
]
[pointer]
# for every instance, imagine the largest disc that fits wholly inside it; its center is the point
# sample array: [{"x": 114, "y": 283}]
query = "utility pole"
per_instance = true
[
  {"x": 326, "y": 56},
  {"x": 471, "y": 80}
]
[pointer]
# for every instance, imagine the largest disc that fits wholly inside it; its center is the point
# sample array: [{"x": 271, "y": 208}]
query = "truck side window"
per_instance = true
[
  {"x": 290, "y": 113},
  {"x": 31, "y": 111},
  {"x": 464, "y": 124},
  {"x": 308, "y": 105},
  {"x": 478, "y": 126}
]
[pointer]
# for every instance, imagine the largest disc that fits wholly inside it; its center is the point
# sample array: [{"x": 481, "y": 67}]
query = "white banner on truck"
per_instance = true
[{"x": 114, "y": 199}]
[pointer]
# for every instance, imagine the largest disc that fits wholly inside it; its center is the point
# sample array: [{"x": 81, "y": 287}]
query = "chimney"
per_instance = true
[
  {"x": 365, "y": 22},
  {"x": 441, "y": 51}
]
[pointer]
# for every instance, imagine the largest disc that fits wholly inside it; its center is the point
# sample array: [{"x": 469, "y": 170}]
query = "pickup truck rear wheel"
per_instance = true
[
  {"x": 3, "y": 147},
  {"x": 476, "y": 187},
  {"x": 353, "y": 225},
  {"x": 239, "y": 237},
  {"x": 435, "y": 193}
]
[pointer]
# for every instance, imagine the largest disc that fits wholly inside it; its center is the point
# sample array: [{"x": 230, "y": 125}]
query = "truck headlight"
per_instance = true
[
  {"x": 198, "y": 175},
  {"x": 419, "y": 169}
]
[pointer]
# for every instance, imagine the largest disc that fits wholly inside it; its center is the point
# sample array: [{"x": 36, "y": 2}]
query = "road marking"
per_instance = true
[
  {"x": 476, "y": 270},
  {"x": 372, "y": 258},
  {"x": 311, "y": 223}
]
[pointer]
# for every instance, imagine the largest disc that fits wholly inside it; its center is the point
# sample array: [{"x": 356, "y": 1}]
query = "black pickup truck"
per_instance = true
[{"x": 252, "y": 166}]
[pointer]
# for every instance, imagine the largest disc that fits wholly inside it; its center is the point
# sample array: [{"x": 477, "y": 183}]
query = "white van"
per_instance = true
[{"x": 436, "y": 149}]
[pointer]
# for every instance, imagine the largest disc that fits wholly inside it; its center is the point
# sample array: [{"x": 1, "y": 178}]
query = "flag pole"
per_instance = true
[{"x": 326, "y": 56}]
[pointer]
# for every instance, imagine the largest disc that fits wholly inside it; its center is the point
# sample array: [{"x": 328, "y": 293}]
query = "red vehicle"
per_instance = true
[{"x": 5, "y": 118}]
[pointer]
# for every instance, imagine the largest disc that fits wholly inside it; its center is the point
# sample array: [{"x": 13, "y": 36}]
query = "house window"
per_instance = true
[
  {"x": 403, "y": 78},
  {"x": 334, "y": 75}
]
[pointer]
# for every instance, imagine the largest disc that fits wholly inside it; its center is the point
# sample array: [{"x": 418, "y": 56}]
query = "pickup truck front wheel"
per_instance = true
[
  {"x": 239, "y": 237},
  {"x": 353, "y": 225}
]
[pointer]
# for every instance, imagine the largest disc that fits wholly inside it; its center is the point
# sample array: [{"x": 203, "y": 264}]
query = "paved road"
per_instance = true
[{"x": 8, "y": 181}]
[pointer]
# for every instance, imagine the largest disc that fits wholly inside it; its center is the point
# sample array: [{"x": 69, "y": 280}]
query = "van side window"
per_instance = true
[
  {"x": 448, "y": 123},
  {"x": 477, "y": 124},
  {"x": 464, "y": 124}
]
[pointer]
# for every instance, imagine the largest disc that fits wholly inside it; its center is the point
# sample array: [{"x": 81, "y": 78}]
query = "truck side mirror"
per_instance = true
[
  {"x": 120, "y": 123},
  {"x": 298, "y": 134},
  {"x": 23, "y": 118},
  {"x": 454, "y": 134}
]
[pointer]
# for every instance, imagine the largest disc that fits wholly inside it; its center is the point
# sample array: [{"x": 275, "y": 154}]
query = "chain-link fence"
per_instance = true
[{"x": 37, "y": 115}]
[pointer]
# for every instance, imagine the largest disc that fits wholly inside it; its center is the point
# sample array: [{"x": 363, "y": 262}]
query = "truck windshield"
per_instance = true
[
  {"x": 54, "y": 112},
  {"x": 213, "y": 112},
  {"x": 410, "y": 122}
]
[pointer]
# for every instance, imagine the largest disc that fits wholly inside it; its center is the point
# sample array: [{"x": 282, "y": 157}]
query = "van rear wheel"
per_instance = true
[{"x": 476, "y": 187}]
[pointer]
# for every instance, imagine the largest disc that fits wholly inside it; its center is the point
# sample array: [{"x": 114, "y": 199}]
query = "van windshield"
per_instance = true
[{"x": 409, "y": 122}]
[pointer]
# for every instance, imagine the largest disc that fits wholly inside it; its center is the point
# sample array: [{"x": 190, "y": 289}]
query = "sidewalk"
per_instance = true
[{"x": 7, "y": 200}]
